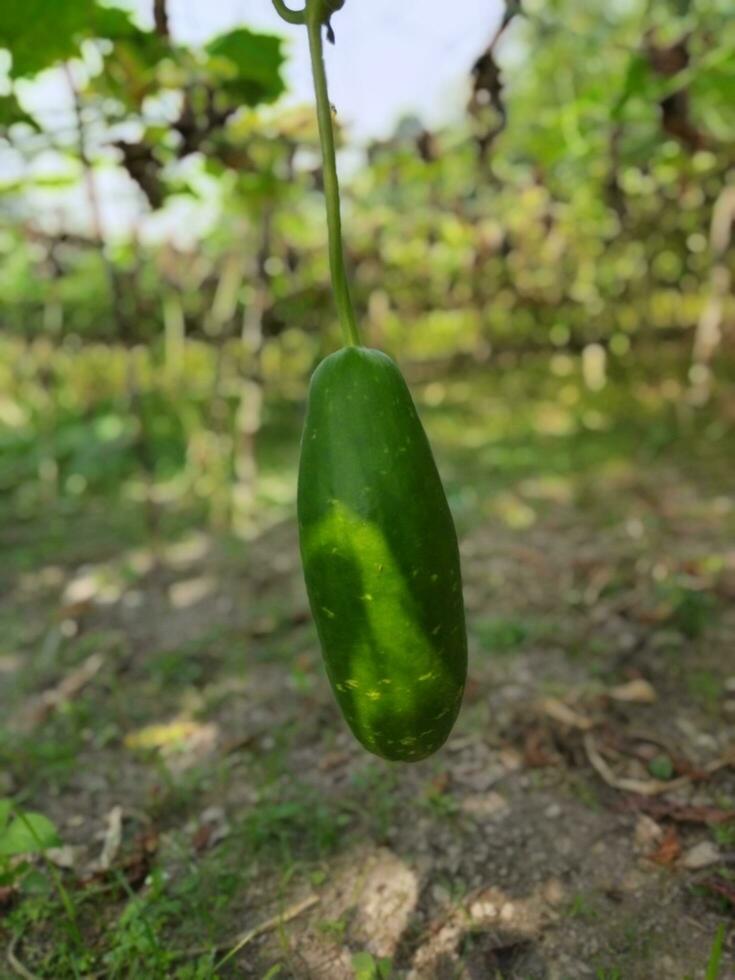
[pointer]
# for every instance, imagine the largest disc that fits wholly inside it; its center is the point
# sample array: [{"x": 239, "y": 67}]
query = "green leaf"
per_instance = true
[
  {"x": 130, "y": 68},
  {"x": 366, "y": 967},
  {"x": 5, "y": 810},
  {"x": 253, "y": 72},
  {"x": 11, "y": 112},
  {"x": 661, "y": 767},
  {"x": 114, "y": 24},
  {"x": 28, "y": 833},
  {"x": 636, "y": 83},
  {"x": 41, "y": 33}
]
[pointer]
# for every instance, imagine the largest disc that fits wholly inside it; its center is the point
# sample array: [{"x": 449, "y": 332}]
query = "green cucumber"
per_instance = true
[{"x": 380, "y": 558}]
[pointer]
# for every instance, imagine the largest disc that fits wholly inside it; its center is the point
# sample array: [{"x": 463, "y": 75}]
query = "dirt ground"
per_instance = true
[{"x": 166, "y": 707}]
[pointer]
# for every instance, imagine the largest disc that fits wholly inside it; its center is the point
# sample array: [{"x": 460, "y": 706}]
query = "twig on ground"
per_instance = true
[
  {"x": 678, "y": 812},
  {"x": 562, "y": 713},
  {"x": 649, "y": 787},
  {"x": 273, "y": 923},
  {"x": 234, "y": 946},
  {"x": 244, "y": 742},
  {"x": 66, "y": 690},
  {"x": 113, "y": 838},
  {"x": 15, "y": 964}
]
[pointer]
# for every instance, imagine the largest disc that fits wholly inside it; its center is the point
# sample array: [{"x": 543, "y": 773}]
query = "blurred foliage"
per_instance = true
[
  {"x": 568, "y": 213},
  {"x": 588, "y": 220}
]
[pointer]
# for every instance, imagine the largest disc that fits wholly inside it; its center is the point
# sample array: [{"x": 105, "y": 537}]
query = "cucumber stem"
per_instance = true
[
  {"x": 315, "y": 14},
  {"x": 289, "y": 15},
  {"x": 340, "y": 285}
]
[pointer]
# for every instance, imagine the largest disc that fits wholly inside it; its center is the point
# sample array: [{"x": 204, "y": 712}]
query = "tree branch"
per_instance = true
[
  {"x": 487, "y": 87},
  {"x": 160, "y": 18}
]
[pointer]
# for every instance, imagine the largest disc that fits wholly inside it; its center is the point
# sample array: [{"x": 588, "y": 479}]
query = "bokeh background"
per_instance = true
[{"x": 539, "y": 204}]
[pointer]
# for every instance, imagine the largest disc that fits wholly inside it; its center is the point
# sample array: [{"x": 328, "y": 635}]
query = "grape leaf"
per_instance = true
[
  {"x": 255, "y": 61},
  {"x": 39, "y": 34}
]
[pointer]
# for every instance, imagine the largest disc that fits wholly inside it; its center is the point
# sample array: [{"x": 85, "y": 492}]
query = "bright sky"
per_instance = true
[{"x": 391, "y": 57}]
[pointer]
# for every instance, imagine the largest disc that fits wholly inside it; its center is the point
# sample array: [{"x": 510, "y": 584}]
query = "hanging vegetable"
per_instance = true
[{"x": 378, "y": 543}]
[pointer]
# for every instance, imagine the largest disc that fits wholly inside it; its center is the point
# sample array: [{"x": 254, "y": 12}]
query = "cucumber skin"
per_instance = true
[{"x": 380, "y": 558}]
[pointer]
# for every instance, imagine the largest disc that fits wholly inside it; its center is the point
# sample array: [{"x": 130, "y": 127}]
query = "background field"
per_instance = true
[{"x": 179, "y": 796}]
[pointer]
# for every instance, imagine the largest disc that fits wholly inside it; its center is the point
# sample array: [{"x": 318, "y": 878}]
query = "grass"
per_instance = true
[
  {"x": 714, "y": 964},
  {"x": 581, "y": 907},
  {"x": 146, "y": 932},
  {"x": 301, "y": 828},
  {"x": 501, "y": 635},
  {"x": 335, "y": 929},
  {"x": 707, "y": 688},
  {"x": 724, "y": 834}
]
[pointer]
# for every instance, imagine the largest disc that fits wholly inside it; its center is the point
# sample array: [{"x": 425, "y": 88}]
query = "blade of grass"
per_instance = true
[{"x": 715, "y": 956}]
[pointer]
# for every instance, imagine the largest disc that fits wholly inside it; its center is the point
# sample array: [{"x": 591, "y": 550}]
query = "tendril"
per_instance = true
[{"x": 289, "y": 15}]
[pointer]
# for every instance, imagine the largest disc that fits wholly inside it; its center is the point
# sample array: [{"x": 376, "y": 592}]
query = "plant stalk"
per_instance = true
[{"x": 340, "y": 285}]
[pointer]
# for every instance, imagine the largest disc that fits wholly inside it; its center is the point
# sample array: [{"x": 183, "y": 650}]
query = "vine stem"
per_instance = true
[
  {"x": 315, "y": 15},
  {"x": 290, "y": 16}
]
